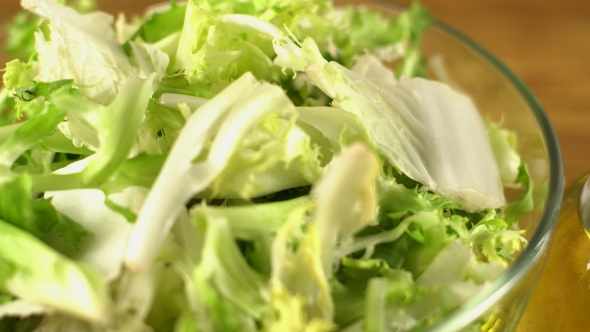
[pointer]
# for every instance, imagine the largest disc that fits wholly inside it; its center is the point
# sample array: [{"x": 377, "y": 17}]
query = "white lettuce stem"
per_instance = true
[
  {"x": 172, "y": 100},
  {"x": 226, "y": 120},
  {"x": 179, "y": 179},
  {"x": 346, "y": 198}
]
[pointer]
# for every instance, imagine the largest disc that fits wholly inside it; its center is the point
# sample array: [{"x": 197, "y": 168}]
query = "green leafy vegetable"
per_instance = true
[
  {"x": 223, "y": 165},
  {"x": 34, "y": 272}
]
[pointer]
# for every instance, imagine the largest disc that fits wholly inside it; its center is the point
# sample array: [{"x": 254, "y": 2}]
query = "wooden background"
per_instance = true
[{"x": 546, "y": 43}]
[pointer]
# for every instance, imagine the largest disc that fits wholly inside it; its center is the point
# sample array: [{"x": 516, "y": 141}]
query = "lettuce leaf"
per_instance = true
[
  {"x": 399, "y": 121},
  {"x": 80, "y": 47},
  {"x": 116, "y": 126},
  {"x": 47, "y": 278},
  {"x": 237, "y": 117}
]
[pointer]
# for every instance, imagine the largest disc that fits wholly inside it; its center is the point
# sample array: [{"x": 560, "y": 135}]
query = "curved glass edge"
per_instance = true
[
  {"x": 477, "y": 306},
  {"x": 539, "y": 242}
]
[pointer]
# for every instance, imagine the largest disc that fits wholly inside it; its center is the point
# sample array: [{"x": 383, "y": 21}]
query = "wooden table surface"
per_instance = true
[{"x": 545, "y": 43}]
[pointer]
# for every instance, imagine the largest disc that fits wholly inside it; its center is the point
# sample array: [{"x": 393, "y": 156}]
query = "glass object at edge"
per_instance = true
[{"x": 562, "y": 297}]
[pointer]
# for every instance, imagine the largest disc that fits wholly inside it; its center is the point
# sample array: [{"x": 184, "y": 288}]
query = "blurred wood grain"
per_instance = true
[{"x": 545, "y": 43}]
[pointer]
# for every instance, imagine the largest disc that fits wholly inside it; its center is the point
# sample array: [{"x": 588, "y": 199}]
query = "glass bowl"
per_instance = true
[{"x": 501, "y": 97}]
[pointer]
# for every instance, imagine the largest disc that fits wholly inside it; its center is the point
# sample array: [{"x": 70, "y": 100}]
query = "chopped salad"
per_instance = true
[{"x": 228, "y": 165}]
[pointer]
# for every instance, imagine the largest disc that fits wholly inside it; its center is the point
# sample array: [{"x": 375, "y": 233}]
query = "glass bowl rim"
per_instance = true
[{"x": 479, "y": 304}]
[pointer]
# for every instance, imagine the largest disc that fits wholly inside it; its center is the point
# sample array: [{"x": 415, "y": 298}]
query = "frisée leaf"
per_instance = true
[{"x": 247, "y": 166}]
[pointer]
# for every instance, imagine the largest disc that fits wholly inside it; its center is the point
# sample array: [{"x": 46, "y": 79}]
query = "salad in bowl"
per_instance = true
[{"x": 223, "y": 165}]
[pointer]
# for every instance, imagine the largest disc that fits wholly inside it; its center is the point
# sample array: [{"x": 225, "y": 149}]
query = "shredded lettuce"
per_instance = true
[{"x": 223, "y": 165}]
